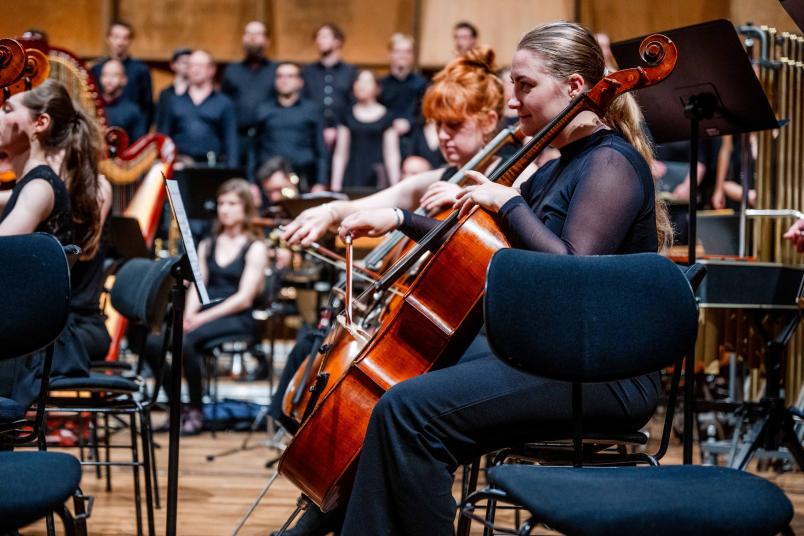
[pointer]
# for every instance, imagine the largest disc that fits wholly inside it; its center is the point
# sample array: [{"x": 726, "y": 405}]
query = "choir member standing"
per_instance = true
[
  {"x": 138, "y": 89},
  {"x": 202, "y": 122},
  {"x": 120, "y": 111},
  {"x": 292, "y": 127},
  {"x": 329, "y": 80},
  {"x": 249, "y": 83}
]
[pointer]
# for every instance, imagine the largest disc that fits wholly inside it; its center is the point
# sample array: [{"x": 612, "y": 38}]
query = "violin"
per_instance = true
[
  {"x": 20, "y": 70},
  {"x": 440, "y": 314}
]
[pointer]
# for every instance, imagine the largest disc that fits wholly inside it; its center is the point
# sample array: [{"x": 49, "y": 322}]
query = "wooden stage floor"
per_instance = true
[{"x": 214, "y": 495}]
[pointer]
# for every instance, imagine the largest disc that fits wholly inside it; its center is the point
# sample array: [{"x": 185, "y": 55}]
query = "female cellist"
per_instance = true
[
  {"x": 466, "y": 103},
  {"x": 54, "y": 147},
  {"x": 597, "y": 198}
]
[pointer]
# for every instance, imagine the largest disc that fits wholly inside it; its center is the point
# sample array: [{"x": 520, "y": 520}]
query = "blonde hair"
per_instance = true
[
  {"x": 468, "y": 86},
  {"x": 567, "y": 48},
  {"x": 399, "y": 37}
]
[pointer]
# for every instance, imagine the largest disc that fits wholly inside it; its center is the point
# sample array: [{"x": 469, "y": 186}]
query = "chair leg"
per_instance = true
[
  {"x": 154, "y": 466},
  {"x": 145, "y": 434},
  {"x": 469, "y": 485},
  {"x": 135, "y": 467},
  {"x": 95, "y": 447},
  {"x": 50, "y": 524},
  {"x": 80, "y": 519},
  {"x": 66, "y": 520},
  {"x": 106, "y": 442}
]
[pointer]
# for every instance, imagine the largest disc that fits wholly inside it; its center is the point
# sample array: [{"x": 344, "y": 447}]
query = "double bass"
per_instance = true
[{"x": 441, "y": 312}]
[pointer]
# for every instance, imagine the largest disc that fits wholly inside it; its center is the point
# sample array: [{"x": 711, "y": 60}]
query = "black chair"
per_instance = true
[
  {"x": 141, "y": 294},
  {"x": 629, "y": 315},
  {"x": 34, "y": 305}
]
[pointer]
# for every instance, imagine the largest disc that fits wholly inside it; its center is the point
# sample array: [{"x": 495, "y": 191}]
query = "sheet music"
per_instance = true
[{"x": 177, "y": 207}]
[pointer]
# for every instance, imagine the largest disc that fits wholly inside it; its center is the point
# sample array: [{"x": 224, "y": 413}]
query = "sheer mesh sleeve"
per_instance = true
[
  {"x": 606, "y": 201},
  {"x": 415, "y": 225}
]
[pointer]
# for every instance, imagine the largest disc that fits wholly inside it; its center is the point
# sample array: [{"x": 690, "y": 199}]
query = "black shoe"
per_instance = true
[{"x": 313, "y": 522}]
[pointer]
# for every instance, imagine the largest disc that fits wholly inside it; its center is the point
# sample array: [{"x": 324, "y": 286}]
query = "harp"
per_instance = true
[{"x": 135, "y": 169}]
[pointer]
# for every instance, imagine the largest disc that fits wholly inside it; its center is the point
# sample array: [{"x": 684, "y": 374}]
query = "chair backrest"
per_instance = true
[
  {"x": 34, "y": 293},
  {"x": 588, "y": 319},
  {"x": 141, "y": 290}
]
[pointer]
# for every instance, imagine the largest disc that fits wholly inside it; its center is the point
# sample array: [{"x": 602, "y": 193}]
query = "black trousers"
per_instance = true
[
  {"x": 194, "y": 342},
  {"x": 423, "y": 429}
]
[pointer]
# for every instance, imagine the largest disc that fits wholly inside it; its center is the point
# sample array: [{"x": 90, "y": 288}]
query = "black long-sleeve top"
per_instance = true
[
  {"x": 596, "y": 199},
  {"x": 403, "y": 96},
  {"x": 248, "y": 85},
  {"x": 123, "y": 113},
  {"x": 330, "y": 87},
  {"x": 199, "y": 129},
  {"x": 294, "y": 132},
  {"x": 138, "y": 88}
]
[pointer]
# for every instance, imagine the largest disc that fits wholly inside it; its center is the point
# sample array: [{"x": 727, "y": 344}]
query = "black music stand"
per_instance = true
[
  {"x": 764, "y": 289},
  {"x": 712, "y": 91},
  {"x": 795, "y": 8},
  {"x": 185, "y": 270}
]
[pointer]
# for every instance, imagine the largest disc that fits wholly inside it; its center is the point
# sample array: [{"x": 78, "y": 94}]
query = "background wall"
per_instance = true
[{"x": 216, "y": 25}]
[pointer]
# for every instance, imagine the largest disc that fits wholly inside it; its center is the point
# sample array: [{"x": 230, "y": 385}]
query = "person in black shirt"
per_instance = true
[
  {"x": 51, "y": 144},
  {"x": 598, "y": 198},
  {"x": 138, "y": 89},
  {"x": 233, "y": 265},
  {"x": 367, "y": 151},
  {"x": 249, "y": 83},
  {"x": 328, "y": 81},
  {"x": 202, "y": 122},
  {"x": 120, "y": 111},
  {"x": 292, "y": 127},
  {"x": 402, "y": 90},
  {"x": 179, "y": 64}
]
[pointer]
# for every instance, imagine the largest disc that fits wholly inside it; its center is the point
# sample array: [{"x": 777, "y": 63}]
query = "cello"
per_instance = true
[
  {"x": 440, "y": 314},
  {"x": 340, "y": 348}
]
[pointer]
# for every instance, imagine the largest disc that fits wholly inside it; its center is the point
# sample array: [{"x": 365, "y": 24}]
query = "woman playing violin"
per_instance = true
[{"x": 597, "y": 198}]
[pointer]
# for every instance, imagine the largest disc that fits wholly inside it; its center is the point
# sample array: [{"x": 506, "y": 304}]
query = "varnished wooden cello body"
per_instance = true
[
  {"x": 440, "y": 313},
  {"x": 339, "y": 347}
]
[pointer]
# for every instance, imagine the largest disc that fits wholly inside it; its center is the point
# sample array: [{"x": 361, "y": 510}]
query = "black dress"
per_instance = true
[
  {"x": 366, "y": 166},
  {"x": 20, "y": 378},
  {"x": 223, "y": 282},
  {"x": 598, "y": 198}
]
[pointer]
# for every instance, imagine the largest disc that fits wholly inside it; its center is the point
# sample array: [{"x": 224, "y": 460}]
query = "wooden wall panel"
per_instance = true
[
  {"x": 78, "y": 25},
  {"x": 367, "y": 24},
  {"x": 500, "y": 23},
  {"x": 163, "y": 25},
  {"x": 623, "y": 19}
]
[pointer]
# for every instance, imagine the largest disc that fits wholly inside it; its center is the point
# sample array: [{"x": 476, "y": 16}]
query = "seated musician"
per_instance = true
[
  {"x": 233, "y": 264},
  {"x": 597, "y": 198},
  {"x": 53, "y": 146},
  {"x": 465, "y": 100}
]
